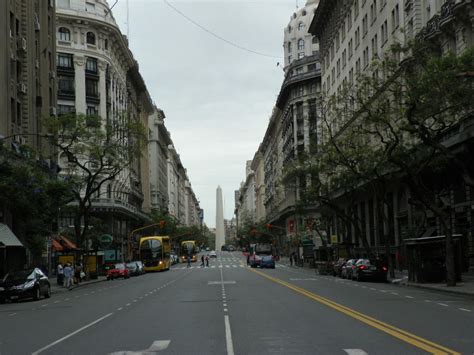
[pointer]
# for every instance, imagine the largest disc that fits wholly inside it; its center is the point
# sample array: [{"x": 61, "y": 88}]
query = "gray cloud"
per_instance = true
[{"x": 217, "y": 98}]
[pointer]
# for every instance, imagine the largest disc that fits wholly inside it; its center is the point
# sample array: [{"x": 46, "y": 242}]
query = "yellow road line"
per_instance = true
[{"x": 398, "y": 333}]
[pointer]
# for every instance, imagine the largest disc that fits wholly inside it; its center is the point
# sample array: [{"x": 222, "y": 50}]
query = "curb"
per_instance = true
[
  {"x": 62, "y": 289},
  {"x": 452, "y": 291}
]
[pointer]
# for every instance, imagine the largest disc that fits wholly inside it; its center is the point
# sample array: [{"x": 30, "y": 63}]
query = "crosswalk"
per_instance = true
[{"x": 219, "y": 266}]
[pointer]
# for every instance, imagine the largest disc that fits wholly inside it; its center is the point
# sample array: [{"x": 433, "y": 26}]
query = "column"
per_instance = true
[{"x": 80, "y": 83}]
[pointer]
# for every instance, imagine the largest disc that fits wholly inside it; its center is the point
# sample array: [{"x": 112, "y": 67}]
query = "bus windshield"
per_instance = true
[
  {"x": 150, "y": 249},
  {"x": 188, "y": 248}
]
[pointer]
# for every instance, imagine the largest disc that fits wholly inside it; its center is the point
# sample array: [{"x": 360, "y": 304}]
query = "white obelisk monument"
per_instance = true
[{"x": 220, "y": 233}]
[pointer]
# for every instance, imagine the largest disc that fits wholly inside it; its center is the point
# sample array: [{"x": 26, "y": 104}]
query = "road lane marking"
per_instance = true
[
  {"x": 398, "y": 333},
  {"x": 119, "y": 309},
  {"x": 394, "y": 293},
  {"x": 127, "y": 305},
  {"x": 464, "y": 309},
  {"x": 228, "y": 336},
  {"x": 71, "y": 334},
  {"x": 409, "y": 297},
  {"x": 11, "y": 314},
  {"x": 355, "y": 352},
  {"x": 443, "y": 304}
]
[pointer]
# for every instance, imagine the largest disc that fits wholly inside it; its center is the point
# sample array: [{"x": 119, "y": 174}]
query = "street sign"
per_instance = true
[{"x": 105, "y": 240}]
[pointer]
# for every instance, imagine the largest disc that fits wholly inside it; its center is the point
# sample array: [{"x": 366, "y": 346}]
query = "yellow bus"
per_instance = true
[
  {"x": 155, "y": 253},
  {"x": 188, "y": 247}
]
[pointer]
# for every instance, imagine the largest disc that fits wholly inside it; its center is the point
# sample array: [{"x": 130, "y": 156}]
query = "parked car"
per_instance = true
[
  {"x": 346, "y": 269},
  {"x": 367, "y": 270},
  {"x": 133, "y": 268},
  {"x": 29, "y": 283},
  {"x": 118, "y": 270},
  {"x": 212, "y": 254},
  {"x": 337, "y": 266},
  {"x": 268, "y": 261}
]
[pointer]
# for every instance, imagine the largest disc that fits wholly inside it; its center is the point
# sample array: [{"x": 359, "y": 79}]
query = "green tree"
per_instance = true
[
  {"x": 30, "y": 191},
  {"x": 93, "y": 152}
]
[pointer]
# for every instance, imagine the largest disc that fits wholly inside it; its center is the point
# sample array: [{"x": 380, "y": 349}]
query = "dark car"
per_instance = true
[
  {"x": 346, "y": 269},
  {"x": 369, "y": 270},
  {"x": 29, "y": 283},
  {"x": 268, "y": 261}
]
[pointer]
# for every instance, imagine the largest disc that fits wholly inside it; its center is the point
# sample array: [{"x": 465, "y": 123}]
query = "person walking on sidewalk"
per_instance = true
[
  {"x": 60, "y": 274},
  {"x": 202, "y": 260},
  {"x": 291, "y": 259},
  {"x": 68, "y": 273},
  {"x": 207, "y": 260}
]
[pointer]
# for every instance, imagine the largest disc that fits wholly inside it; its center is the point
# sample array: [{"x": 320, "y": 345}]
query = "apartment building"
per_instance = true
[
  {"x": 351, "y": 34},
  {"x": 27, "y": 59},
  {"x": 98, "y": 75}
]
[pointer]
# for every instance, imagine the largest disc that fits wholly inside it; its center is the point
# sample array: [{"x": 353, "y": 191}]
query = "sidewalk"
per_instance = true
[
  {"x": 55, "y": 288},
  {"x": 465, "y": 288}
]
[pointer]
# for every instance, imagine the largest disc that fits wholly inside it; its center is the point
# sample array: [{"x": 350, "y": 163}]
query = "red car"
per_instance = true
[{"x": 118, "y": 270}]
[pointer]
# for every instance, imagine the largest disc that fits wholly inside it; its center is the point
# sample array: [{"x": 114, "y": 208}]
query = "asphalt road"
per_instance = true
[{"x": 229, "y": 309}]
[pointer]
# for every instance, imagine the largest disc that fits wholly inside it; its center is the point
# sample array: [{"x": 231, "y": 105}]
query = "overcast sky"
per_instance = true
[{"x": 217, "y": 98}]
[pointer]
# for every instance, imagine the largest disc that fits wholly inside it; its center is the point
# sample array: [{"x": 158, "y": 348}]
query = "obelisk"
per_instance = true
[{"x": 220, "y": 233}]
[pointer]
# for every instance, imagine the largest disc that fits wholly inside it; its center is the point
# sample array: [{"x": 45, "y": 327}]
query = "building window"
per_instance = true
[
  {"x": 344, "y": 58},
  {"x": 91, "y": 111},
  {"x": 301, "y": 44},
  {"x": 356, "y": 8},
  {"x": 373, "y": 11},
  {"x": 92, "y": 88},
  {"x": 299, "y": 70},
  {"x": 90, "y": 38},
  {"x": 301, "y": 26},
  {"x": 64, "y": 34},
  {"x": 65, "y": 60},
  {"x": 290, "y": 58},
  {"x": 315, "y": 40},
  {"x": 357, "y": 37},
  {"x": 289, "y": 29},
  {"x": 350, "y": 48},
  {"x": 289, "y": 47},
  {"x": 91, "y": 65},
  {"x": 300, "y": 55},
  {"x": 365, "y": 57},
  {"x": 365, "y": 25},
  {"x": 65, "y": 109},
  {"x": 395, "y": 17},
  {"x": 66, "y": 85},
  {"x": 358, "y": 66},
  {"x": 106, "y": 44},
  {"x": 384, "y": 32},
  {"x": 338, "y": 65},
  {"x": 375, "y": 46}
]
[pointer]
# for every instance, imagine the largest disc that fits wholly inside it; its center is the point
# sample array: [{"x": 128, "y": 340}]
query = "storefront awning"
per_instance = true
[
  {"x": 7, "y": 238},
  {"x": 62, "y": 244}
]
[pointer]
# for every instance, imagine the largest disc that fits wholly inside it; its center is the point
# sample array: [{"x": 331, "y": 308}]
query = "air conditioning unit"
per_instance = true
[
  {"x": 52, "y": 111},
  {"x": 37, "y": 63},
  {"x": 22, "y": 88},
  {"x": 37, "y": 23},
  {"x": 52, "y": 75}
]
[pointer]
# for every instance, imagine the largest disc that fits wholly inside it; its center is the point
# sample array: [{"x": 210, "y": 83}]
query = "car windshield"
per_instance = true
[{"x": 20, "y": 276}]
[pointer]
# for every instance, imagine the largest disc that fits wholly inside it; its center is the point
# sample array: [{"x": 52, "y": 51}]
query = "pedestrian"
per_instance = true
[
  {"x": 302, "y": 260},
  {"x": 202, "y": 260},
  {"x": 68, "y": 273},
  {"x": 291, "y": 259},
  {"x": 207, "y": 260},
  {"x": 189, "y": 261},
  {"x": 77, "y": 273},
  {"x": 60, "y": 274}
]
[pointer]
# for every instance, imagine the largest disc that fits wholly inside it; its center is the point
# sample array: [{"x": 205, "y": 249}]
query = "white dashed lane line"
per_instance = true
[
  {"x": 464, "y": 310},
  {"x": 443, "y": 304}
]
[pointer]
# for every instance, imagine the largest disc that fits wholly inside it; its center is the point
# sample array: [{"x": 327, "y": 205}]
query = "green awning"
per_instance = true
[{"x": 7, "y": 238}]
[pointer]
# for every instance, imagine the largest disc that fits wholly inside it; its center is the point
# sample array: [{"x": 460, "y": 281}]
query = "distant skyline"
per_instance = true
[{"x": 217, "y": 98}]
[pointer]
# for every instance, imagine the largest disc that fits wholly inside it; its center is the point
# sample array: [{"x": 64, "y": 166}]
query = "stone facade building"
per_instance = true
[{"x": 350, "y": 34}]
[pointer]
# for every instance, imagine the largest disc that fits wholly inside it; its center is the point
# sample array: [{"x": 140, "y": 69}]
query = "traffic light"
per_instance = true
[{"x": 269, "y": 226}]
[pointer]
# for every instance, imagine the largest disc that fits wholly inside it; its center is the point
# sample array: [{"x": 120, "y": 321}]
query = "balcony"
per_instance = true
[{"x": 432, "y": 28}]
